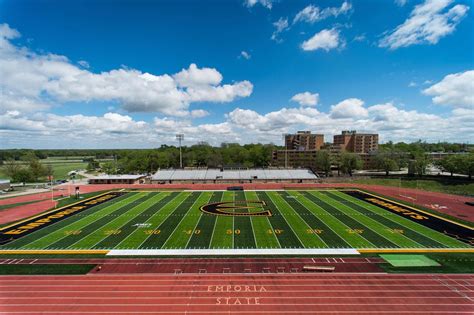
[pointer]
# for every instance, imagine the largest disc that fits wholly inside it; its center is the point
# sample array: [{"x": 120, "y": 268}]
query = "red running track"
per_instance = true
[
  {"x": 238, "y": 294},
  {"x": 210, "y": 265}
]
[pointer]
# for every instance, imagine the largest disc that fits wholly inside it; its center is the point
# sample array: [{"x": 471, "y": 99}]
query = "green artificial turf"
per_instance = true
[{"x": 173, "y": 220}]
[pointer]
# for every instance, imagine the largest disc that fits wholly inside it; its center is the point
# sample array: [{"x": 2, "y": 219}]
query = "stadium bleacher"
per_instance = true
[{"x": 233, "y": 175}]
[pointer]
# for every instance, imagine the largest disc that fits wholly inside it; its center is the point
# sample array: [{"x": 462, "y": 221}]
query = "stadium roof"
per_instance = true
[
  {"x": 250, "y": 174},
  {"x": 118, "y": 177}
]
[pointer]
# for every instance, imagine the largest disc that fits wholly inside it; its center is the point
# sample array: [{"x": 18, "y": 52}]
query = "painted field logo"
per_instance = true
[{"x": 237, "y": 208}]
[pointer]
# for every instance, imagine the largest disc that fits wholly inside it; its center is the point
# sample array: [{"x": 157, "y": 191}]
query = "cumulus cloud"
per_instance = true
[
  {"x": 391, "y": 122},
  {"x": 240, "y": 125},
  {"x": 280, "y": 26},
  {"x": 306, "y": 99},
  {"x": 245, "y": 55},
  {"x": 401, "y": 3},
  {"x": 427, "y": 24},
  {"x": 312, "y": 13},
  {"x": 36, "y": 79},
  {"x": 265, "y": 3},
  {"x": 455, "y": 89},
  {"x": 326, "y": 39},
  {"x": 349, "y": 108}
]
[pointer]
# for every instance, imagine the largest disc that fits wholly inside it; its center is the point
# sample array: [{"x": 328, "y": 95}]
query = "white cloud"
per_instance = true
[
  {"x": 428, "y": 22},
  {"x": 7, "y": 32},
  {"x": 199, "y": 113},
  {"x": 311, "y": 13},
  {"x": 455, "y": 89},
  {"x": 265, "y": 3},
  {"x": 306, "y": 99},
  {"x": 36, "y": 80},
  {"x": 349, "y": 108},
  {"x": 239, "y": 125},
  {"x": 360, "y": 38},
  {"x": 326, "y": 39},
  {"x": 412, "y": 84},
  {"x": 84, "y": 64},
  {"x": 245, "y": 55},
  {"x": 280, "y": 26},
  {"x": 401, "y": 3}
]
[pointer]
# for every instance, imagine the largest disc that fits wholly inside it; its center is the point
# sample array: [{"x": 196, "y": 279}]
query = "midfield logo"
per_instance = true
[{"x": 230, "y": 208}]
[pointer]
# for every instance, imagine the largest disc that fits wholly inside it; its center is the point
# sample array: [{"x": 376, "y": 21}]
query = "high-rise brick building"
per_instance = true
[
  {"x": 352, "y": 141},
  {"x": 304, "y": 141}
]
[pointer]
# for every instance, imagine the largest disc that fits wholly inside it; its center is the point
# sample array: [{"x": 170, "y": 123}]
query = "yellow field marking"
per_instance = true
[
  {"x": 416, "y": 209},
  {"x": 52, "y": 210},
  {"x": 416, "y": 250},
  {"x": 52, "y": 251}
]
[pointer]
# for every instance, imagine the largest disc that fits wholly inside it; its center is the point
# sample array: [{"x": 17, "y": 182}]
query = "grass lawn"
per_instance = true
[
  {"x": 45, "y": 269},
  {"x": 449, "y": 263},
  {"x": 461, "y": 188},
  {"x": 60, "y": 169}
]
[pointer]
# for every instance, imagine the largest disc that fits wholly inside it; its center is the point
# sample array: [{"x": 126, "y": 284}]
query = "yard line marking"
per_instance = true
[
  {"x": 298, "y": 194},
  {"x": 393, "y": 217},
  {"x": 335, "y": 216},
  {"x": 71, "y": 223},
  {"x": 197, "y": 222},
  {"x": 373, "y": 220},
  {"x": 284, "y": 218},
  {"x": 214, "y": 227},
  {"x": 150, "y": 219},
  {"x": 321, "y": 208},
  {"x": 297, "y": 213},
  {"x": 151, "y": 196},
  {"x": 169, "y": 214},
  {"x": 266, "y": 218},
  {"x": 348, "y": 211},
  {"x": 181, "y": 220},
  {"x": 163, "y": 195}
]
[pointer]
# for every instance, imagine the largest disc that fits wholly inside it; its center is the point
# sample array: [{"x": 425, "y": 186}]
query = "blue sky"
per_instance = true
[{"x": 98, "y": 74}]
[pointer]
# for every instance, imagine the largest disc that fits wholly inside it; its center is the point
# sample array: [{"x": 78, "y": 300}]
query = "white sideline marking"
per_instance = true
[{"x": 232, "y": 252}]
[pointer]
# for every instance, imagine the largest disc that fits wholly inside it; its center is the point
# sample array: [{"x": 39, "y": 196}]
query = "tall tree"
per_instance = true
[{"x": 350, "y": 162}]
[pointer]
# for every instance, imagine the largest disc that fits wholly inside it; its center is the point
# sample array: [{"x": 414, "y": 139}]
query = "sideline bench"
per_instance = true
[{"x": 319, "y": 268}]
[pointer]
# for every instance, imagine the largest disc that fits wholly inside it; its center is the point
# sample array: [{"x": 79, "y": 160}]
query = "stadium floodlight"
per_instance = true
[
  {"x": 180, "y": 137},
  {"x": 286, "y": 149}
]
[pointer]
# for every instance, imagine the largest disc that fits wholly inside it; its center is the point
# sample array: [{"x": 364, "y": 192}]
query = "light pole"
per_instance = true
[
  {"x": 180, "y": 137},
  {"x": 286, "y": 150}
]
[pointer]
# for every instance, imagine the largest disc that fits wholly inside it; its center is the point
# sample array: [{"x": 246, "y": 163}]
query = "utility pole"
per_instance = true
[{"x": 180, "y": 137}]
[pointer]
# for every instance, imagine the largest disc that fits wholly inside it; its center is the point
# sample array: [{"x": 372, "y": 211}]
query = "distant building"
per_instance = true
[
  {"x": 304, "y": 141},
  {"x": 351, "y": 141},
  {"x": 118, "y": 179},
  {"x": 294, "y": 158}
]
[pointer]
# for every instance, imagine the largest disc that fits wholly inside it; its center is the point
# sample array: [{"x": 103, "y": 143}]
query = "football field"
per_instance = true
[{"x": 230, "y": 220}]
